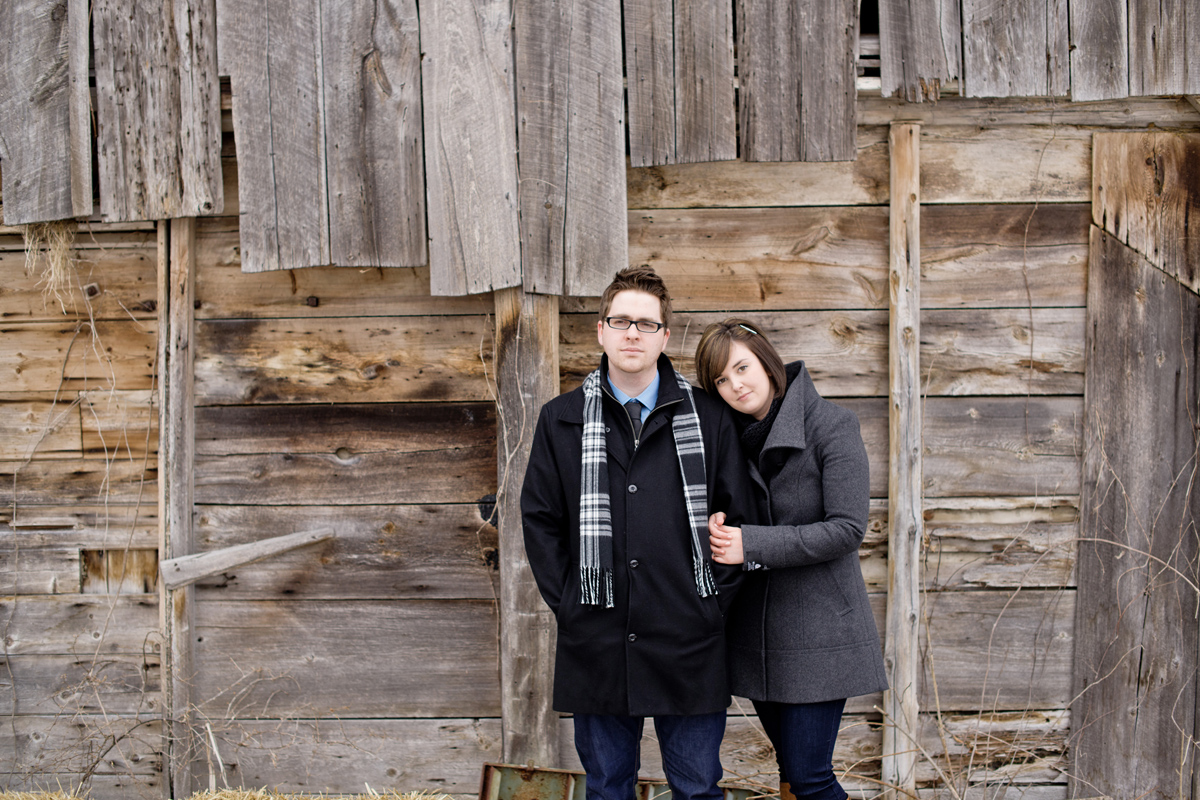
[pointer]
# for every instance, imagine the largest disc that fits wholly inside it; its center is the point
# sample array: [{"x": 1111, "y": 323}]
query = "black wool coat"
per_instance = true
[
  {"x": 661, "y": 649},
  {"x": 802, "y": 630}
]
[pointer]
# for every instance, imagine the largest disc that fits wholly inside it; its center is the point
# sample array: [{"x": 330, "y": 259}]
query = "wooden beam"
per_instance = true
[
  {"x": 187, "y": 569},
  {"x": 905, "y": 521},
  {"x": 176, "y": 288},
  {"x": 526, "y": 377}
]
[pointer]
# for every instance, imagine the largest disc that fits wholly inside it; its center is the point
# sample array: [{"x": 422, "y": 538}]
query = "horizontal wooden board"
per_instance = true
[
  {"x": 112, "y": 684},
  {"x": 995, "y": 256},
  {"x": 355, "y": 658},
  {"x": 39, "y": 428},
  {"x": 1023, "y": 164},
  {"x": 87, "y": 481},
  {"x": 345, "y": 360},
  {"x": 343, "y": 756},
  {"x": 75, "y": 356},
  {"x": 984, "y": 543},
  {"x": 1002, "y": 446},
  {"x": 37, "y": 570},
  {"x": 765, "y": 258},
  {"x": 1002, "y": 351},
  {"x": 116, "y": 281},
  {"x": 345, "y": 455},
  {"x": 65, "y": 744},
  {"x": 82, "y": 625},
  {"x": 1125, "y": 113},
  {"x": 379, "y": 552},
  {"x": 224, "y": 291},
  {"x": 863, "y": 181},
  {"x": 97, "y": 527}
]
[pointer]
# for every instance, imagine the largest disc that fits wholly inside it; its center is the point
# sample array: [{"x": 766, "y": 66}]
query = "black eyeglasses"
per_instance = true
[{"x": 643, "y": 326}]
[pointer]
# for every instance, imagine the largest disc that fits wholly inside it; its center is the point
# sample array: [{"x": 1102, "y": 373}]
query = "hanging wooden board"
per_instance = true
[
  {"x": 45, "y": 120},
  {"x": 470, "y": 146},
  {"x": 1015, "y": 48},
  {"x": 1162, "y": 48},
  {"x": 1099, "y": 49},
  {"x": 919, "y": 47},
  {"x": 158, "y": 110}
]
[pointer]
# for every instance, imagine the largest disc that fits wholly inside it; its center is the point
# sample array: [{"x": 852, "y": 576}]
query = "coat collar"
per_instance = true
[{"x": 788, "y": 428}]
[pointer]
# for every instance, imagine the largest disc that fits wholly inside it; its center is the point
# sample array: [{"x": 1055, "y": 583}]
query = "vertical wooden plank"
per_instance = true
[
  {"x": 1014, "y": 48},
  {"x": 905, "y": 518},
  {"x": 769, "y": 51},
  {"x": 372, "y": 86},
  {"x": 157, "y": 109},
  {"x": 650, "y": 75},
  {"x": 705, "y": 121},
  {"x": 470, "y": 146},
  {"x": 574, "y": 220},
  {"x": 596, "y": 240},
  {"x": 919, "y": 47},
  {"x": 828, "y": 122},
  {"x": 1144, "y": 193},
  {"x": 527, "y": 376},
  {"x": 1099, "y": 50},
  {"x": 1162, "y": 48},
  {"x": 274, "y": 64},
  {"x": 175, "y": 458},
  {"x": 1135, "y": 626},
  {"x": 45, "y": 141}
]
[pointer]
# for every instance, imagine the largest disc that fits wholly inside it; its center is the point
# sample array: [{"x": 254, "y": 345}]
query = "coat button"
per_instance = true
[
  {"x": 633, "y": 637},
  {"x": 633, "y": 564},
  {"x": 632, "y": 489}
]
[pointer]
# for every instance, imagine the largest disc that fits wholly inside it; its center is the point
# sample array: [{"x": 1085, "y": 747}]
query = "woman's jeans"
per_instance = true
[
  {"x": 609, "y": 747},
  {"x": 803, "y": 735}
]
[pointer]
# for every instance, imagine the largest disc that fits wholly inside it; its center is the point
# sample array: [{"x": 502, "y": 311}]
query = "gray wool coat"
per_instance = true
[{"x": 802, "y": 631}]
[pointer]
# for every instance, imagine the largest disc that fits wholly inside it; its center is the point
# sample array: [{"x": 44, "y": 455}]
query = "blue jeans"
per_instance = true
[
  {"x": 803, "y": 735},
  {"x": 609, "y": 747}
]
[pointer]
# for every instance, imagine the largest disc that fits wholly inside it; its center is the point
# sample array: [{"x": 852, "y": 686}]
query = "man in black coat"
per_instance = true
[{"x": 612, "y": 539}]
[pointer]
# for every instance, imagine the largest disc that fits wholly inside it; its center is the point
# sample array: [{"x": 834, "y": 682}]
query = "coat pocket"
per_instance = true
[{"x": 833, "y": 588}]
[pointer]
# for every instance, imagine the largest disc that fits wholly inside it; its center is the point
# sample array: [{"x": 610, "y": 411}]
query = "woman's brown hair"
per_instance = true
[{"x": 712, "y": 354}]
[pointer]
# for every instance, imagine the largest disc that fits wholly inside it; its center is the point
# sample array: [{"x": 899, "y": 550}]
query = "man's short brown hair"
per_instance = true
[{"x": 641, "y": 278}]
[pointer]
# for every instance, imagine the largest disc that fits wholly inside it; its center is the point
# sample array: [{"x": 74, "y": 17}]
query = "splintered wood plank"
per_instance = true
[
  {"x": 1002, "y": 446},
  {"x": 84, "y": 526},
  {"x": 1015, "y": 48},
  {"x": 72, "y": 356},
  {"x": 66, "y": 685},
  {"x": 114, "y": 283},
  {"x": 345, "y": 455},
  {"x": 279, "y": 126},
  {"x": 978, "y": 256},
  {"x": 437, "y": 551},
  {"x": 371, "y": 63},
  {"x": 54, "y": 482},
  {"x": 84, "y": 625},
  {"x": 424, "y": 658},
  {"x": 338, "y": 755},
  {"x": 44, "y": 111},
  {"x": 1002, "y": 351},
  {"x": 1136, "y": 626},
  {"x": 39, "y": 428},
  {"x": 765, "y": 258},
  {"x": 919, "y": 47},
  {"x": 470, "y": 145},
  {"x": 570, "y": 112},
  {"x": 1162, "y": 48},
  {"x": 158, "y": 110},
  {"x": 443, "y": 358},
  {"x": 1146, "y": 197},
  {"x": 679, "y": 62},
  {"x": 797, "y": 79},
  {"x": 1099, "y": 49},
  {"x": 38, "y": 570}
]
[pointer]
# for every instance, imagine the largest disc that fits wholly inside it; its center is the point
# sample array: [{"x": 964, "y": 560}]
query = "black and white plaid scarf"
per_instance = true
[{"x": 595, "y": 518}]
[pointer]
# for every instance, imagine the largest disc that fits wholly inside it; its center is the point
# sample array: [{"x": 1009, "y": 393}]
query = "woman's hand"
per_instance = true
[{"x": 725, "y": 541}]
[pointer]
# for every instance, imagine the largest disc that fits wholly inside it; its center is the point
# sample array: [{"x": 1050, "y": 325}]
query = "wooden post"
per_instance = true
[
  {"x": 176, "y": 291},
  {"x": 526, "y": 377},
  {"x": 905, "y": 520}
]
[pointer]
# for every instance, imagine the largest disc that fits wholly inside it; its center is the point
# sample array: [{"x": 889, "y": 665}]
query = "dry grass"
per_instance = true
[
  {"x": 48, "y": 251},
  {"x": 244, "y": 794}
]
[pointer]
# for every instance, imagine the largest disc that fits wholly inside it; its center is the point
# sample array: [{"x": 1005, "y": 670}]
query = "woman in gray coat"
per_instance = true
[{"x": 801, "y": 636}]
